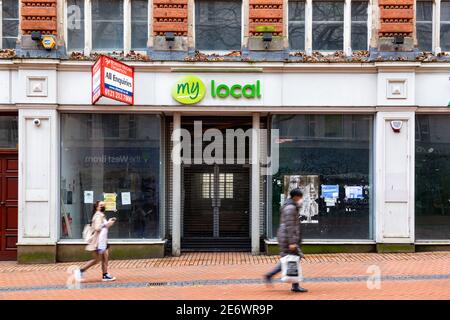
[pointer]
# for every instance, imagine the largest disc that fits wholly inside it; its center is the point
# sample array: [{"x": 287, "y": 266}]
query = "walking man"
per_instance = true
[{"x": 289, "y": 234}]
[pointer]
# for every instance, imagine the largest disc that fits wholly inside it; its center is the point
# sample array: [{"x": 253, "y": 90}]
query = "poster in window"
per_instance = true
[
  {"x": 110, "y": 201},
  {"x": 309, "y": 184}
]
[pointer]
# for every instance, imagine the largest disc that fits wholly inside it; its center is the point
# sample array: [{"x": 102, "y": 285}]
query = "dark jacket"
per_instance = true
[{"x": 289, "y": 231}]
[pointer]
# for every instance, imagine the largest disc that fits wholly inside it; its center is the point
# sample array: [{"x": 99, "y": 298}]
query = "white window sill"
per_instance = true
[{"x": 115, "y": 241}]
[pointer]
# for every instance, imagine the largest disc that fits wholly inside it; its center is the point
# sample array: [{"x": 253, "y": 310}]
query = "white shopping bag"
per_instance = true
[{"x": 291, "y": 270}]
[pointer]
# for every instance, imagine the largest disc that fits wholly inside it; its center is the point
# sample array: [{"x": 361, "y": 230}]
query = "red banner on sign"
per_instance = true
[{"x": 112, "y": 79}]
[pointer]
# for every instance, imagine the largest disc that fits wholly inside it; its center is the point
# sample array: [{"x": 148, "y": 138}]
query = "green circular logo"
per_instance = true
[{"x": 189, "y": 90}]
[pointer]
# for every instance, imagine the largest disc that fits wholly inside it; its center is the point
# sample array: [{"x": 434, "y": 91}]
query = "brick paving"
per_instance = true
[{"x": 236, "y": 276}]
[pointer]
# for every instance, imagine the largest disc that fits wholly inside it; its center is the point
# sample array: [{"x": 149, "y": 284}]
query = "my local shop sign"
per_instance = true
[
  {"x": 112, "y": 79},
  {"x": 192, "y": 89}
]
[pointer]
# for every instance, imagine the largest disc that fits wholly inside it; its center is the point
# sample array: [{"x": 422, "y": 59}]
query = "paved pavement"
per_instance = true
[{"x": 237, "y": 276}]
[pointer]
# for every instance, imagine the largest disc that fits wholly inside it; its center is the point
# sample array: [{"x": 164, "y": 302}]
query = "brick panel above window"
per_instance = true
[
  {"x": 38, "y": 15},
  {"x": 396, "y": 18},
  {"x": 170, "y": 16},
  {"x": 266, "y": 13}
]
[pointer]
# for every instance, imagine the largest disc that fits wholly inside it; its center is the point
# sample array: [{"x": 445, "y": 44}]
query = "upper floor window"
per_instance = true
[
  {"x": 445, "y": 25},
  {"x": 424, "y": 25},
  {"x": 433, "y": 25},
  {"x": 218, "y": 24},
  {"x": 9, "y": 28},
  {"x": 107, "y": 25},
  {"x": 323, "y": 30}
]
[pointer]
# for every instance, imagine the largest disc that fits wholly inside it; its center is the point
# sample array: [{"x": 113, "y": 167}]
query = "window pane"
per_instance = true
[
  {"x": 218, "y": 24},
  {"x": 107, "y": 25},
  {"x": 10, "y": 23},
  {"x": 359, "y": 25},
  {"x": 424, "y": 25},
  {"x": 432, "y": 177},
  {"x": 75, "y": 25},
  {"x": 100, "y": 160},
  {"x": 8, "y": 132},
  {"x": 328, "y": 25},
  {"x": 332, "y": 164},
  {"x": 445, "y": 25},
  {"x": 297, "y": 25},
  {"x": 139, "y": 24}
]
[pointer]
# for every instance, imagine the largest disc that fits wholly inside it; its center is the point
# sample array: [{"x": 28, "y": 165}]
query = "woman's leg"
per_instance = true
[
  {"x": 105, "y": 258},
  {"x": 95, "y": 259}
]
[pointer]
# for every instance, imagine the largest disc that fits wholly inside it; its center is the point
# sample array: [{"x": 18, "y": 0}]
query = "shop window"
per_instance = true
[
  {"x": 445, "y": 25},
  {"x": 218, "y": 24},
  {"x": 8, "y": 132},
  {"x": 432, "y": 181},
  {"x": 359, "y": 28},
  {"x": 125, "y": 167},
  {"x": 334, "y": 174},
  {"x": 109, "y": 27},
  {"x": 328, "y": 25},
  {"x": 10, "y": 23},
  {"x": 297, "y": 24},
  {"x": 424, "y": 25}
]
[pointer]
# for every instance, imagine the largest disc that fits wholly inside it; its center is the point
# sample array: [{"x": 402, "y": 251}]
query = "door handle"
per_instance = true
[{"x": 2, "y": 203}]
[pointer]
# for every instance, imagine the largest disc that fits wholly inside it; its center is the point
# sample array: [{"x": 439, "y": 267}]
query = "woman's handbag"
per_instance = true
[
  {"x": 88, "y": 232},
  {"x": 291, "y": 270}
]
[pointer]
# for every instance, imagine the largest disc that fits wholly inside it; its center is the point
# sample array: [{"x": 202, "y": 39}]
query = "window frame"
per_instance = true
[
  {"x": 308, "y": 45},
  {"x": 212, "y": 51},
  {"x": 1, "y": 24},
  {"x": 88, "y": 47}
]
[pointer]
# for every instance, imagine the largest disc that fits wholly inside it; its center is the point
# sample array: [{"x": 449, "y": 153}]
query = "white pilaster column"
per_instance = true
[
  {"x": 176, "y": 185},
  {"x": 38, "y": 177},
  {"x": 255, "y": 210}
]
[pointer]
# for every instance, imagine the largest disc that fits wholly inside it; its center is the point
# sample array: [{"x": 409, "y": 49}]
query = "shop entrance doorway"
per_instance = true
[
  {"x": 8, "y": 205},
  {"x": 216, "y": 197}
]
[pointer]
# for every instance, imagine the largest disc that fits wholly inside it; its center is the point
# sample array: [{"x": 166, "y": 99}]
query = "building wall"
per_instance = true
[{"x": 391, "y": 82}]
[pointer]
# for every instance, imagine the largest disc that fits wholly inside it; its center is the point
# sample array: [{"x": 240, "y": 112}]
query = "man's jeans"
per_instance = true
[{"x": 276, "y": 270}]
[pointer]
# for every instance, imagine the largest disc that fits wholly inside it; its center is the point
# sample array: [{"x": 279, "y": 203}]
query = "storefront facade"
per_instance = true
[{"x": 369, "y": 183}]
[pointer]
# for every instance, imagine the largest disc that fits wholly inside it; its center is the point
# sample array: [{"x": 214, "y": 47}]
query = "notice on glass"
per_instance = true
[
  {"x": 354, "y": 192},
  {"x": 330, "y": 191},
  {"x": 110, "y": 200},
  {"x": 88, "y": 196},
  {"x": 126, "y": 198}
]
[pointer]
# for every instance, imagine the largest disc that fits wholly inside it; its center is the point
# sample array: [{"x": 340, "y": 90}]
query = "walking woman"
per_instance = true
[{"x": 98, "y": 242}]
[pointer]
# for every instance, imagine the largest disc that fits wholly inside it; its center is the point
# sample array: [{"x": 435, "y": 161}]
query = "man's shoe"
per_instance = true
[
  {"x": 299, "y": 289},
  {"x": 108, "y": 277},
  {"x": 267, "y": 279}
]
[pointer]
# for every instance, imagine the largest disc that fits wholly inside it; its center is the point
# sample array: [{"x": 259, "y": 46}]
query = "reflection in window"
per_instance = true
[
  {"x": 359, "y": 25},
  {"x": 334, "y": 174},
  {"x": 10, "y": 22},
  {"x": 328, "y": 25},
  {"x": 8, "y": 132},
  {"x": 107, "y": 25},
  {"x": 208, "y": 185},
  {"x": 125, "y": 165},
  {"x": 432, "y": 177},
  {"x": 139, "y": 24},
  {"x": 424, "y": 24},
  {"x": 225, "y": 184},
  {"x": 445, "y": 25},
  {"x": 218, "y": 24},
  {"x": 75, "y": 25},
  {"x": 297, "y": 24}
]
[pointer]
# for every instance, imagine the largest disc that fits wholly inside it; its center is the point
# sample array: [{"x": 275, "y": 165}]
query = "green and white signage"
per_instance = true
[{"x": 191, "y": 90}]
